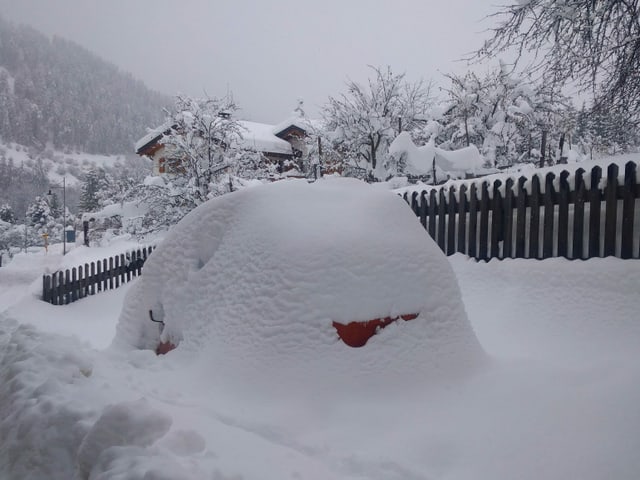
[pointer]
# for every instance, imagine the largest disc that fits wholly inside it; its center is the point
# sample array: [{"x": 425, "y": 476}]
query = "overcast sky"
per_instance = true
[{"x": 268, "y": 53}]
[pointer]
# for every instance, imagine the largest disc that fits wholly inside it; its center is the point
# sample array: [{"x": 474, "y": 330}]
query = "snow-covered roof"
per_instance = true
[
  {"x": 293, "y": 121},
  {"x": 260, "y": 137},
  {"x": 153, "y": 134},
  {"x": 297, "y": 119}
]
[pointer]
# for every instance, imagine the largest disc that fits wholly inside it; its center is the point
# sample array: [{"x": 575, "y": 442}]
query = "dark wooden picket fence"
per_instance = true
[
  {"x": 63, "y": 287},
  {"x": 575, "y": 215}
]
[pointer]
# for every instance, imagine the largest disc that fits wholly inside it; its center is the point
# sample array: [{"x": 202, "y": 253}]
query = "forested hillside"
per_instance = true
[{"x": 54, "y": 92}]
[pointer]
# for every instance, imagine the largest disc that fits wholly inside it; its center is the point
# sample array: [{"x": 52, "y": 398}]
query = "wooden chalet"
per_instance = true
[{"x": 282, "y": 144}]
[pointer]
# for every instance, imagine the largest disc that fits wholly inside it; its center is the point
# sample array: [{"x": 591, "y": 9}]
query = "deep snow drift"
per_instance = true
[
  {"x": 251, "y": 282},
  {"x": 557, "y": 399}
]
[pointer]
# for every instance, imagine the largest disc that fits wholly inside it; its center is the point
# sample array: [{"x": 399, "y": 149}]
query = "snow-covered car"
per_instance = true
[{"x": 278, "y": 283}]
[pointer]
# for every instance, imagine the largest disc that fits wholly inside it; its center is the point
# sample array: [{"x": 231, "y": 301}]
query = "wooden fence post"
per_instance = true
[
  {"x": 138, "y": 262},
  {"x": 65, "y": 287},
  {"x": 87, "y": 279},
  {"x": 484, "y": 221},
  {"x": 54, "y": 288},
  {"x": 81, "y": 281},
  {"x": 111, "y": 270},
  {"x": 521, "y": 207},
  {"x": 433, "y": 205},
  {"x": 578, "y": 215},
  {"x": 628, "y": 210},
  {"x": 534, "y": 220},
  {"x": 563, "y": 215},
  {"x": 594, "y": 213},
  {"x": 441, "y": 219},
  {"x": 105, "y": 274},
  {"x": 46, "y": 288},
  {"x": 413, "y": 202},
  {"x": 462, "y": 219},
  {"x": 115, "y": 274},
  {"x": 123, "y": 269},
  {"x": 473, "y": 221},
  {"x": 129, "y": 260},
  {"x": 497, "y": 214},
  {"x": 423, "y": 208},
  {"x": 507, "y": 245},
  {"x": 74, "y": 285},
  {"x": 451, "y": 221},
  {"x": 99, "y": 275},
  {"x": 611, "y": 210},
  {"x": 549, "y": 216}
]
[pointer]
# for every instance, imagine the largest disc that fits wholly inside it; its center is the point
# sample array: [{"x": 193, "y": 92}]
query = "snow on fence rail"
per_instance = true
[
  {"x": 576, "y": 215},
  {"x": 63, "y": 287}
]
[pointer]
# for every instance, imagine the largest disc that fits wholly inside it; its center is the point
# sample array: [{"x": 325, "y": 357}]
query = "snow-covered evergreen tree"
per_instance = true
[
  {"x": 6, "y": 213},
  {"x": 40, "y": 221},
  {"x": 94, "y": 188},
  {"x": 45, "y": 216}
]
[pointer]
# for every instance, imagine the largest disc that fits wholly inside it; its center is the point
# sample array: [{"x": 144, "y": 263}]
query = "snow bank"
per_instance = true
[
  {"x": 128, "y": 424},
  {"x": 251, "y": 282},
  {"x": 40, "y": 426},
  {"x": 61, "y": 417},
  {"x": 559, "y": 399}
]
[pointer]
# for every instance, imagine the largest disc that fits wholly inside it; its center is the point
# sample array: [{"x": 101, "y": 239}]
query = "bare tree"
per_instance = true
[
  {"x": 464, "y": 101},
  {"x": 364, "y": 120},
  {"x": 594, "y": 44},
  {"x": 503, "y": 114},
  {"x": 201, "y": 142}
]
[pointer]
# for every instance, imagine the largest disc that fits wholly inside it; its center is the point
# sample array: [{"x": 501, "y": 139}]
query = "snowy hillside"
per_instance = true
[
  {"x": 26, "y": 173},
  {"x": 54, "y": 92},
  {"x": 58, "y": 164}
]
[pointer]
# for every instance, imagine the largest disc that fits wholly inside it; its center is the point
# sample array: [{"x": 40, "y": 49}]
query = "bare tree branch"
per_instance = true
[{"x": 593, "y": 44}]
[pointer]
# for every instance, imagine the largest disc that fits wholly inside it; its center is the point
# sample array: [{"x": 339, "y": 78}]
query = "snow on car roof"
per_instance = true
[{"x": 252, "y": 281}]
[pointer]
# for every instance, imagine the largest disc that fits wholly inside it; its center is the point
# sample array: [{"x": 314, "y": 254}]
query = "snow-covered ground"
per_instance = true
[{"x": 555, "y": 397}]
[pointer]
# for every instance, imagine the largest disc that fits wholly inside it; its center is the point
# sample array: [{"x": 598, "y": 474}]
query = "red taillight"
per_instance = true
[
  {"x": 356, "y": 334},
  {"x": 164, "y": 347}
]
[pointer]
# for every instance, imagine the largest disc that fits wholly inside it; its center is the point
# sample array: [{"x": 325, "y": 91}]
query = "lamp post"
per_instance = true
[
  {"x": 25, "y": 233},
  {"x": 64, "y": 213}
]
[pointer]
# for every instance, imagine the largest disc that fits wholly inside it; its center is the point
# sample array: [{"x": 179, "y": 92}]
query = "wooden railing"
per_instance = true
[
  {"x": 63, "y": 287},
  {"x": 576, "y": 215}
]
